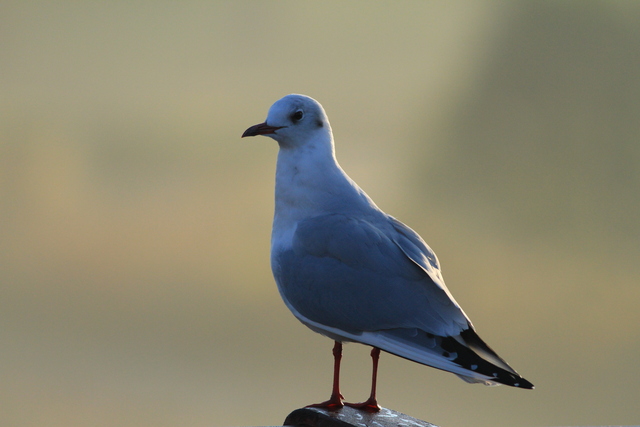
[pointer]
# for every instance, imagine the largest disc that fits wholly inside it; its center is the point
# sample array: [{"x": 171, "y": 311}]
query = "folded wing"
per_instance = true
[{"x": 375, "y": 281}]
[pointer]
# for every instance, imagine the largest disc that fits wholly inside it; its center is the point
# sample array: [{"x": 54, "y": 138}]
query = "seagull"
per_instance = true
[{"x": 352, "y": 273}]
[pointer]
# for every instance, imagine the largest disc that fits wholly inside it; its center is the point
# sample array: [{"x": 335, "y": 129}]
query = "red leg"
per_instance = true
[
  {"x": 371, "y": 404},
  {"x": 335, "y": 401}
]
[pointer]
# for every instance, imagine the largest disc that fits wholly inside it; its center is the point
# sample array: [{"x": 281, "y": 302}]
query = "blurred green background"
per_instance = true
[{"x": 134, "y": 222}]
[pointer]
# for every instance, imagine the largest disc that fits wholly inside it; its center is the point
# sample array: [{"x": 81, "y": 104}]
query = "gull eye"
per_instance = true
[{"x": 297, "y": 116}]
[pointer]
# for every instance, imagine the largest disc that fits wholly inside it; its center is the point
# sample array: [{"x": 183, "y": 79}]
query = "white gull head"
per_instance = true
[{"x": 295, "y": 121}]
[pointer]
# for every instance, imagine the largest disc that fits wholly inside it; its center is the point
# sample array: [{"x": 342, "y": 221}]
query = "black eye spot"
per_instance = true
[{"x": 297, "y": 116}]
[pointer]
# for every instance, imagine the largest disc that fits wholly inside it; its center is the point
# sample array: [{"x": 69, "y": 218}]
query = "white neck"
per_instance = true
[{"x": 310, "y": 182}]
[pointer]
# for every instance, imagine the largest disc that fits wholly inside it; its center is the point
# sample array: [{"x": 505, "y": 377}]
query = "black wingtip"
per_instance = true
[
  {"x": 466, "y": 350},
  {"x": 498, "y": 368},
  {"x": 522, "y": 383}
]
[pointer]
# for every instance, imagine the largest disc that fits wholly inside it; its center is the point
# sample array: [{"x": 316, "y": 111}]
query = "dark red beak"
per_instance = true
[{"x": 261, "y": 129}]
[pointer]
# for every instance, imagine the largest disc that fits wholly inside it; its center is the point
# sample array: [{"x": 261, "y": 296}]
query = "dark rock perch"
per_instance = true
[{"x": 350, "y": 417}]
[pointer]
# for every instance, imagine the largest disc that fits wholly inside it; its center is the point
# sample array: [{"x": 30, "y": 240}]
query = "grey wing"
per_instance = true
[
  {"x": 363, "y": 275},
  {"x": 416, "y": 249}
]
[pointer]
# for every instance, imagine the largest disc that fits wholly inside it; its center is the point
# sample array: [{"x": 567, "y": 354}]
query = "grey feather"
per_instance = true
[{"x": 355, "y": 275}]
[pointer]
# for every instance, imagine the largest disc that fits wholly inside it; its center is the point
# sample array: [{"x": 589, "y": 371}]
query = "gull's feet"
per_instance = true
[
  {"x": 333, "y": 404},
  {"x": 370, "y": 405}
]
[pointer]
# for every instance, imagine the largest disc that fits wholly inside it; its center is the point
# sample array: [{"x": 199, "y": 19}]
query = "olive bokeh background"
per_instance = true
[{"x": 135, "y": 286}]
